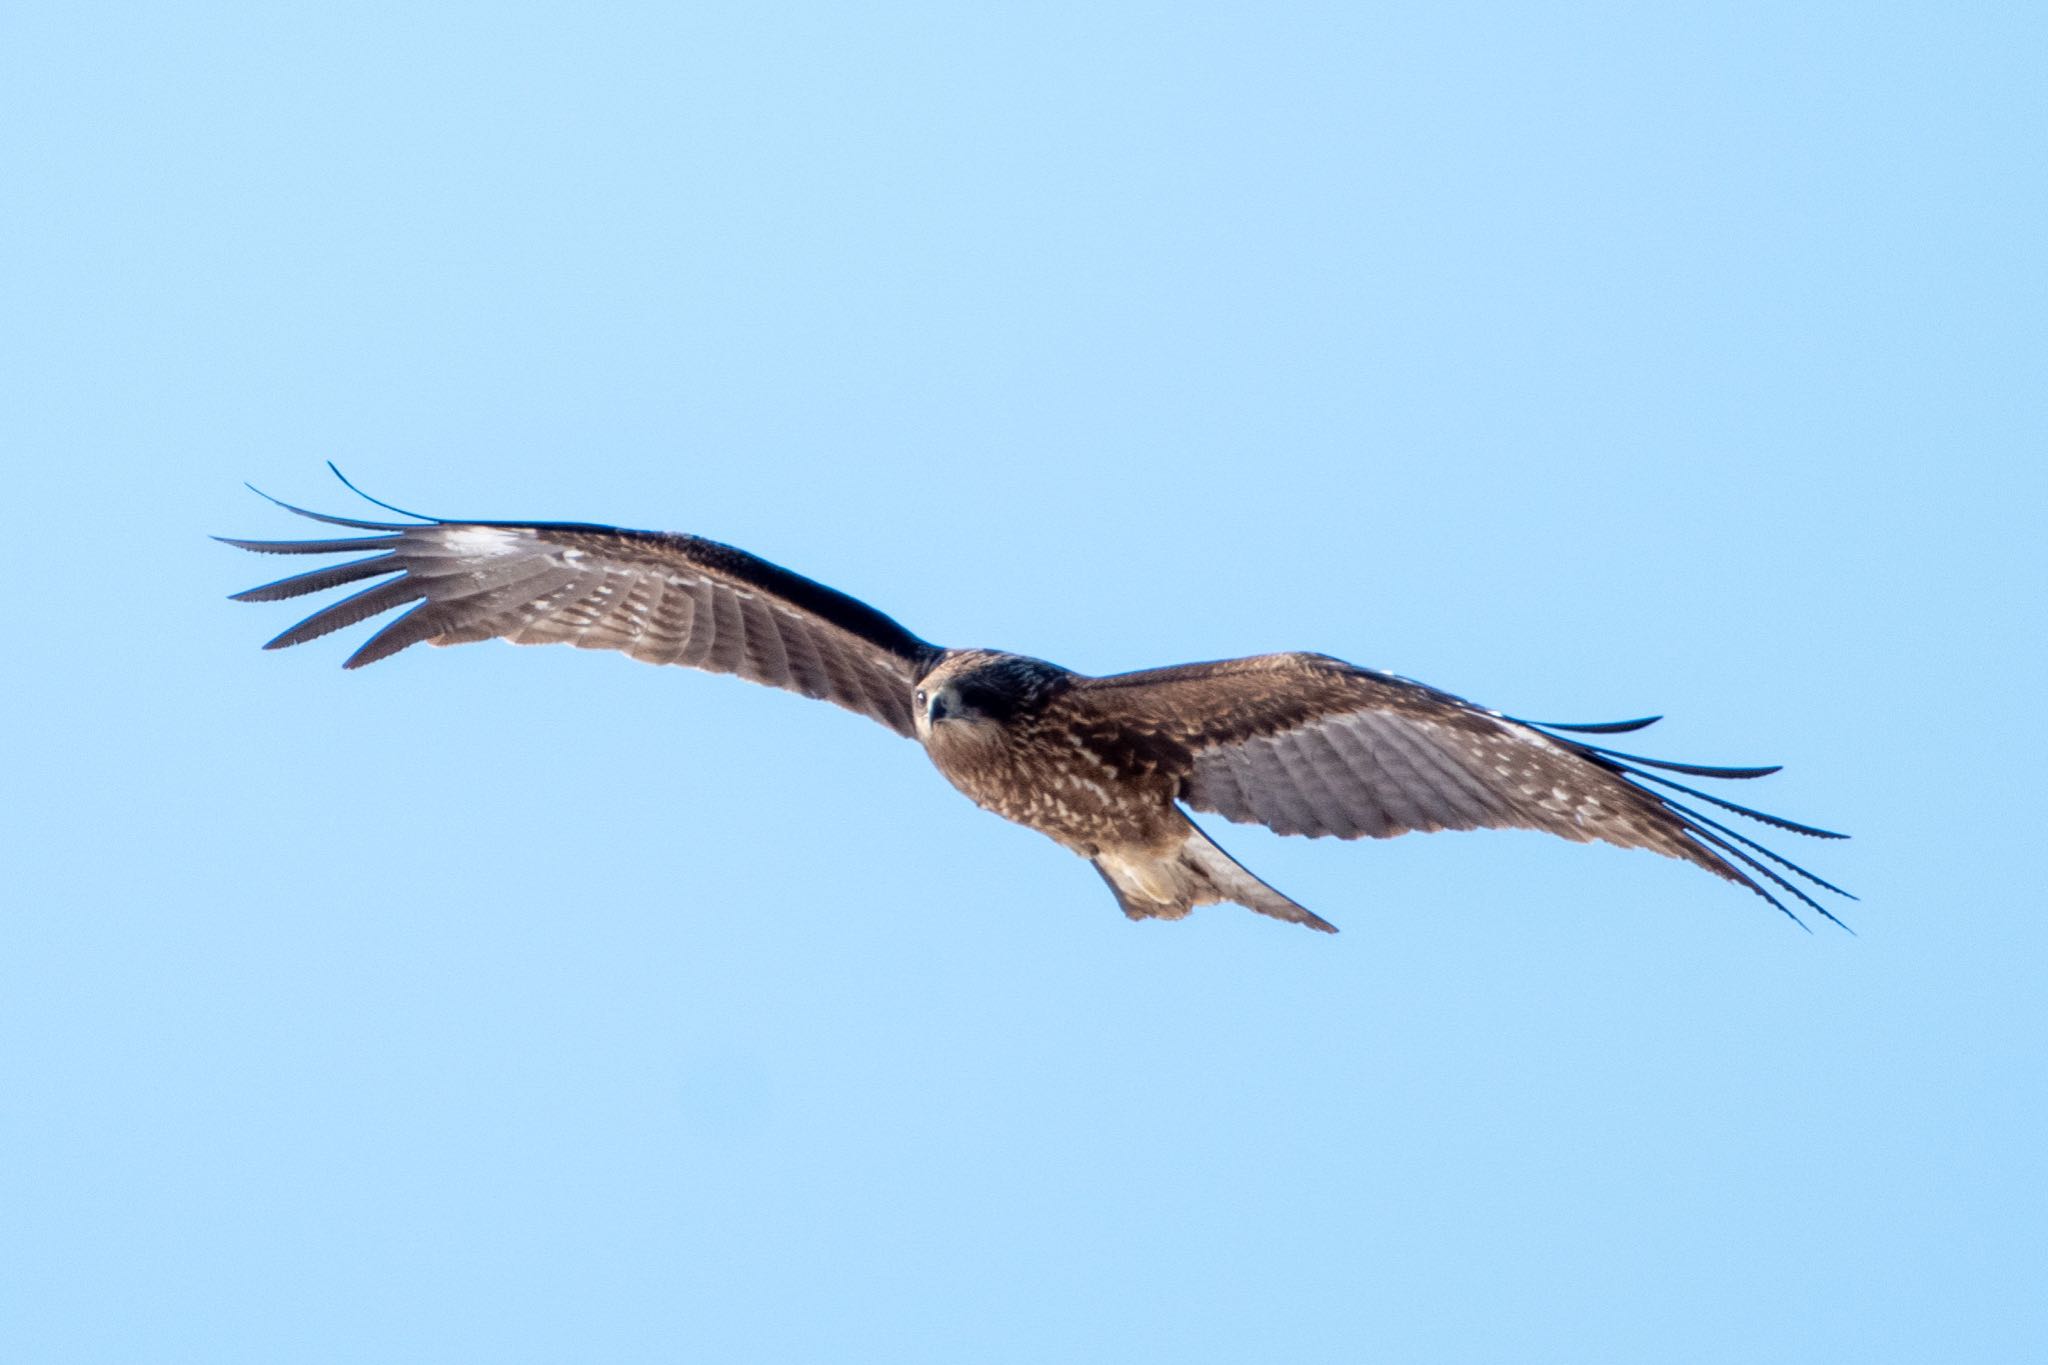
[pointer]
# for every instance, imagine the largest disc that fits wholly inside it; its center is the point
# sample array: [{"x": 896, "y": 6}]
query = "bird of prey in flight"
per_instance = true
[{"x": 1300, "y": 743}]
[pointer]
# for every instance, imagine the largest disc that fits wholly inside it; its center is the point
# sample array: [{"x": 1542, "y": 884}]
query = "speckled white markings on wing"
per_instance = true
[{"x": 486, "y": 540}]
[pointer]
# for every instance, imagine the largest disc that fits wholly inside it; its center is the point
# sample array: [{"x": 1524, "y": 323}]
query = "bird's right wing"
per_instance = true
[
  {"x": 1308, "y": 744},
  {"x": 663, "y": 598}
]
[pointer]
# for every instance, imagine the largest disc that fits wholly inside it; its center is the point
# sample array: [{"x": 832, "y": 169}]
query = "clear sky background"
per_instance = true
[{"x": 537, "y": 1005}]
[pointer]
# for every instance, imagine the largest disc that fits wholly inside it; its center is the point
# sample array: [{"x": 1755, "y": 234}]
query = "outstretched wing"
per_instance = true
[
  {"x": 1307, "y": 744},
  {"x": 667, "y": 599}
]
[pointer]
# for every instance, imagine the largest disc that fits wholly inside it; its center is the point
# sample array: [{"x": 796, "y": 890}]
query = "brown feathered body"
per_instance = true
[
  {"x": 1106, "y": 766},
  {"x": 1028, "y": 740},
  {"x": 1004, "y": 733}
]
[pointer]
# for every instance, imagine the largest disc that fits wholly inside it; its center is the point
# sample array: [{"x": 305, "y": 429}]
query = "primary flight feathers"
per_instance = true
[{"x": 1301, "y": 743}]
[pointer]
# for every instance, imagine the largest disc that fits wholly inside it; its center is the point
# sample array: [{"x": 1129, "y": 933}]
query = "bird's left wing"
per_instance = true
[
  {"x": 1308, "y": 744},
  {"x": 663, "y": 598}
]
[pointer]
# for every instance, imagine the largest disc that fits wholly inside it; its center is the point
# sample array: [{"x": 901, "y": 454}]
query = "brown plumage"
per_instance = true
[{"x": 1301, "y": 743}]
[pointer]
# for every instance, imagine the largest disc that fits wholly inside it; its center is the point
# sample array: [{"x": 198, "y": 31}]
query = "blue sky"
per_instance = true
[{"x": 496, "y": 1004}]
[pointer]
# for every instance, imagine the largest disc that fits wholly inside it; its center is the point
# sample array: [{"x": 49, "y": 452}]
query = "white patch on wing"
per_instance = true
[{"x": 486, "y": 540}]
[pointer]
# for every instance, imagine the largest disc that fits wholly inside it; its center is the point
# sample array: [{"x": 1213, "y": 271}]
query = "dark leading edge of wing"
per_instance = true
[{"x": 659, "y": 597}]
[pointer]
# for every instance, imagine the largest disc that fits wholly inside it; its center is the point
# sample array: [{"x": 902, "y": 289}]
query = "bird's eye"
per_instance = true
[{"x": 921, "y": 699}]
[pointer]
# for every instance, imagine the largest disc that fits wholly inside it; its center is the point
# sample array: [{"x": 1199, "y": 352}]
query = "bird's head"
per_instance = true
[{"x": 979, "y": 687}]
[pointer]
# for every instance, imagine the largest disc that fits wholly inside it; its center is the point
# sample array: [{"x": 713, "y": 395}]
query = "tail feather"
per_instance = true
[{"x": 1168, "y": 885}]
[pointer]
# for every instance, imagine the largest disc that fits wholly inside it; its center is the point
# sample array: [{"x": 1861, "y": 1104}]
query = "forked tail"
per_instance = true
[{"x": 1168, "y": 885}]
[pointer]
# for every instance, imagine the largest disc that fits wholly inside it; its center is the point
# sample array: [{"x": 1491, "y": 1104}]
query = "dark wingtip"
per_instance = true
[
  {"x": 1604, "y": 727},
  {"x": 267, "y": 498},
  {"x": 1775, "y": 821},
  {"x": 1739, "y": 774},
  {"x": 1781, "y": 882},
  {"x": 322, "y": 516},
  {"x": 335, "y": 469}
]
